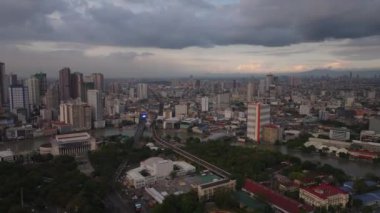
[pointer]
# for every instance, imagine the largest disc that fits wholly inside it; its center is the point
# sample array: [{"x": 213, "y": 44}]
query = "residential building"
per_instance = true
[
  {"x": 34, "y": 91},
  {"x": 324, "y": 195},
  {"x": 98, "y": 80},
  {"x": 258, "y": 116},
  {"x": 42, "y": 82},
  {"x": 76, "y": 85},
  {"x": 77, "y": 114},
  {"x": 250, "y": 91},
  {"x": 94, "y": 100},
  {"x": 223, "y": 100},
  {"x": 64, "y": 84},
  {"x": 142, "y": 91},
  {"x": 204, "y": 104}
]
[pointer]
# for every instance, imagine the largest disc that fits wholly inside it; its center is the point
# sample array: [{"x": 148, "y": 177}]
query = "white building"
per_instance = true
[
  {"x": 342, "y": 134},
  {"x": 155, "y": 169},
  {"x": 6, "y": 155},
  {"x": 204, "y": 104},
  {"x": 258, "y": 116},
  {"x": 142, "y": 91},
  {"x": 78, "y": 115},
  {"x": 131, "y": 93},
  {"x": 72, "y": 144},
  {"x": 34, "y": 91}
]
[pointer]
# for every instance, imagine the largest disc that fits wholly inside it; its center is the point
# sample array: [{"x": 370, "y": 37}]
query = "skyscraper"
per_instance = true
[
  {"x": 250, "y": 91},
  {"x": 94, "y": 100},
  {"x": 64, "y": 84},
  {"x": 34, "y": 91},
  {"x": 2, "y": 84},
  {"x": 142, "y": 91},
  {"x": 19, "y": 99},
  {"x": 258, "y": 116},
  {"x": 52, "y": 98},
  {"x": 204, "y": 104},
  {"x": 76, "y": 85},
  {"x": 77, "y": 114},
  {"x": 42, "y": 82},
  {"x": 98, "y": 79},
  {"x": 12, "y": 79}
]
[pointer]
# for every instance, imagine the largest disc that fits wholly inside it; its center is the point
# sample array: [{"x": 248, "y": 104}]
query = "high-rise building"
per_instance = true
[
  {"x": 204, "y": 104},
  {"x": 2, "y": 85},
  {"x": 76, "y": 85},
  {"x": 250, "y": 91},
  {"x": 52, "y": 98},
  {"x": 34, "y": 91},
  {"x": 42, "y": 82},
  {"x": 12, "y": 79},
  {"x": 98, "y": 80},
  {"x": 19, "y": 99},
  {"x": 223, "y": 100},
  {"x": 131, "y": 93},
  {"x": 258, "y": 116},
  {"x": 94, "y": 100},
  {"x": 77, "y": 114},
  {"x": 142, "y": 91},
  {"x": 64, "y": 84}
]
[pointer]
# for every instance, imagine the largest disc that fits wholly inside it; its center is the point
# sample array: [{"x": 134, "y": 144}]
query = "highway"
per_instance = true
[{"x": 189, "y": 156}]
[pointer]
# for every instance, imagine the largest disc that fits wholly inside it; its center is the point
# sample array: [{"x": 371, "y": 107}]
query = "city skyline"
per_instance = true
[{"x": 179, "y": 38}]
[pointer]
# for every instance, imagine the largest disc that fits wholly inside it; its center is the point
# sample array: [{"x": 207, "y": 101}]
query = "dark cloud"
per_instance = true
[{"x": 185, "y": 23}]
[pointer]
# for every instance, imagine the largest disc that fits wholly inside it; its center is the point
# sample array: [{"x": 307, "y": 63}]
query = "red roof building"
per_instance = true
[
  {"x": 324, "y": 195},
  {"x": 275, "y": 199}
]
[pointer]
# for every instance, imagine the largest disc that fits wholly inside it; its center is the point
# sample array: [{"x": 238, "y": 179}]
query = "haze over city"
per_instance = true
[{"x": 176, "y": 38}]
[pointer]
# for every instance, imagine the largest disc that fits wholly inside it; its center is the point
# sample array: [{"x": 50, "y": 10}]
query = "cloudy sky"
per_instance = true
[{"x": 162, "y": 38}]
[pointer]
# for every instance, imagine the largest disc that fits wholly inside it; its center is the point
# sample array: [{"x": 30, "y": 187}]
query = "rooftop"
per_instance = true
[{"x": 324, "y": 191}]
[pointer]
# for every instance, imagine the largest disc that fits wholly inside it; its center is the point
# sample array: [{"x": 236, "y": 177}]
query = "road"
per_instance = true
[{"x": 189, "y": 156}]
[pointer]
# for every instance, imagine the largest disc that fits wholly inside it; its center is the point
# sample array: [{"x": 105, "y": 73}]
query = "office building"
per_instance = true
[
  {"x": 77, "y": 114},
  {"x": 33, "y": 85},
  {"x": 142, "y": 91},
  {"x": 42, "y": 81},
  {"x": 87, "y": 85},
  {"x": 76, "y": 85},
  {"x": 94, "y": 100},
  {"x": 12, "y": 79},
  {"x": 258, "y": 117},
  {"x": 98, "y": 80},
  {"x": 64, "y": 84},
  {"x": 204, "y": 104}
]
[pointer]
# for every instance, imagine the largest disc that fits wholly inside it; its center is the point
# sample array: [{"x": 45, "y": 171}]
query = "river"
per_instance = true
[
  {"x": 355, "y": 168},
  {"x": 29, "y": 145}
]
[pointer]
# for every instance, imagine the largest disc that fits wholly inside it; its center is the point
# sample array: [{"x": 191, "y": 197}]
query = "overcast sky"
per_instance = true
[{"x": 165, "y": 38}]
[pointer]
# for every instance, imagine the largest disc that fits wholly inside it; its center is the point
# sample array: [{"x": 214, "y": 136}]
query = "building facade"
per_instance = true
[
  {"x": 142, "y": 91},
  {"x": 78, "y": 115},
  {"x": 258, "y": 116},
  {"x": 64, "y": 84},
  {"x": 72, "y": 144},
  {"x": 33, "y": 85},
  {"x": 324, "y": 195}
]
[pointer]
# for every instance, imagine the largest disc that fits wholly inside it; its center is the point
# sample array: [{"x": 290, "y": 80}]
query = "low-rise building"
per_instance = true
[
  {"x": 207, "y": 190},
  {"x": 72, "y": 144},
  {"x": 6, "y": 155},
  {"x": 156, "y": 169},
  {"x": 324, "y": 195},
  {"x": 341, "y": 134}
]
